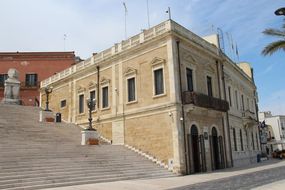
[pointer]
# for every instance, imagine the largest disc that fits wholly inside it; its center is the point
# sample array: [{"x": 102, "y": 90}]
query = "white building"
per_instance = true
[{"x": 275, "y": 131}]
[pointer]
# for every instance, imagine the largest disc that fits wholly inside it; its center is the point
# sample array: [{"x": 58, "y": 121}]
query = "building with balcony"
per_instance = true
[
  {"x": 275, "y": 129},
  {"x": 33, "y": 67},
  {"x": 165, "y": 93}
]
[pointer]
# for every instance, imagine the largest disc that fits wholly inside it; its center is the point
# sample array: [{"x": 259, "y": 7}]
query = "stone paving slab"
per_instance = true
[{"x": 180, "y": 182}]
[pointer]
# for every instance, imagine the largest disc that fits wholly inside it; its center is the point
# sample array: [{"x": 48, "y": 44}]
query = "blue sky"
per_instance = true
[{"x": 94, "y": 25}]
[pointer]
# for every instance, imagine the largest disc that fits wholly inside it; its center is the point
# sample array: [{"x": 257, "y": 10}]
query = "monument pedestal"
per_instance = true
[
  {"x": 46, "y": 116},
  {"x": 89, "y": 137},
  {"x": 12, "y": 88}
]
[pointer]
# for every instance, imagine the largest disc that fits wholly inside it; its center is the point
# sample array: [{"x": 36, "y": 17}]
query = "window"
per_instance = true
[
  {"x": 131, "y": 89},
  {"x": 105, "y": 100},
  {"x": 209, "y": 86},
  {"x": 230, "y": 95},
  {"x": 252, "y": 139},
  {"x": 189, "y": 76},
  {"x": 62, "y": 103},
  {"x": 241, "y": 140},
  {"x": 158, "y": 82},
  {"x": 257, "y": 144},
  {"x": 92, "y": 97},
  {"x": 247, "y": 102},
  {"x": 3, "y": 77},
  {"x": 81, "y": 103},
  {"x": 235, "y": 139},
  {"x": 236, "y": 96},
  {"x": 31, "y": 79},
  {"x": 242, "y": 102}
]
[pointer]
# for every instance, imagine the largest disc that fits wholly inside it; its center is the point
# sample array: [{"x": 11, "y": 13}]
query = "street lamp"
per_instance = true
[
  {"x": 90, "y": 104},
  {"x": 48, "y": 90},
  {"x": 280, "y": 11}
]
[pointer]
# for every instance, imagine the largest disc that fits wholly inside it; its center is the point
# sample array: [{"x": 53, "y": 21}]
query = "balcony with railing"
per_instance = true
[{"x": 205, "y": 101}]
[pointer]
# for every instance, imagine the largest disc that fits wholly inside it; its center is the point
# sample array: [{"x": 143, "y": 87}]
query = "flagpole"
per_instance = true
[
  {"x": 147, "y": 14},
  {"x": 64, "y": 38},
  {"x": 126, "y": 10}
]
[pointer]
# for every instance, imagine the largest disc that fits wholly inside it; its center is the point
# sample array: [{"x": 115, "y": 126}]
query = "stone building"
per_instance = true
[
  {"x": 33, "y": 67},
  {"x": 164, "y": 92}
]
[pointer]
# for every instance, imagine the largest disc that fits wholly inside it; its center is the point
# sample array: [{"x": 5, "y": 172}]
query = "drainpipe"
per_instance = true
[
  {"x": 256, "y": 110},
  {"x": 98, "y": 88},
  {"x": 220, "y": 96},
  {"x": 182, "y": 107},
  {"x": 227, "y": 116}
]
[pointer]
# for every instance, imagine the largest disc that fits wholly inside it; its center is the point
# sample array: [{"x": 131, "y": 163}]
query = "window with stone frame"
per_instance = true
[
  {"x": 242, "y": 102},
  {"x": 230, "y": 95},
  {"x": 158, "y": 81},
  {"x": 252, "y": 139},
  {"x": 105, "y": 97},
  {"x": 235, "y": 139},
  {"x": 93, "y": 98},
  {"x": 209, "y": 86},
  {"x": 3, "y": 77},
  {"x": 63, "y": 103},
  {"x": 236, "y": 98},
  {"x": 131, "y": 85},
  {"x": 241, "y": 140},
  {"x": 189, "y": 76},
  {"x": 81, "y": 103}
]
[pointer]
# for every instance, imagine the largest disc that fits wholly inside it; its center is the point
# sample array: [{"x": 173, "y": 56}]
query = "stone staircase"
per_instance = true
[{"x": 36, "y": 155}]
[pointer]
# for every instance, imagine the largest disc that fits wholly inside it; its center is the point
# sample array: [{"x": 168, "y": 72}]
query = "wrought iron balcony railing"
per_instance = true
[{"x": 205, "y": 101}]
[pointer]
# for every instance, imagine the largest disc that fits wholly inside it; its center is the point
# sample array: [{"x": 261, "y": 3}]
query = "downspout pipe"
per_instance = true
[
  {"x": 219, "y": 84},
  {"x": 227, "y": 117},
  {"x": 98, "y": 88},
  {"x": 182, "y": 107}
]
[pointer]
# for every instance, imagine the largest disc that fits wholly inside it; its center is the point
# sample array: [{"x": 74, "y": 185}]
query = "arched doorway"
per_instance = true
[
  {"x": 195, "y": 149},
  {"x": 215, "y": 149}
]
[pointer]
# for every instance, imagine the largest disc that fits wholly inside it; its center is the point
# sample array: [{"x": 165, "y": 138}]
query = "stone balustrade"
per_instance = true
[{"x": 131, "y": 42}]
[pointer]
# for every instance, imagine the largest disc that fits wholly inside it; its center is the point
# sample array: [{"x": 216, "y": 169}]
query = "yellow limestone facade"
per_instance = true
[{"x": 164, "y": 92}]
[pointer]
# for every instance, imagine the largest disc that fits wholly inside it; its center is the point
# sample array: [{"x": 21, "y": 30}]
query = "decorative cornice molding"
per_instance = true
[
  {"x": 104, "y": 81},
  {"x": 157, "y": 61},
  {"x": 130, "y": 71}
]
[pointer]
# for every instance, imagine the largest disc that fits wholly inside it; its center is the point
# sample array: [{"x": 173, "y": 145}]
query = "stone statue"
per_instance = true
[{"x": 12, "y": 88}]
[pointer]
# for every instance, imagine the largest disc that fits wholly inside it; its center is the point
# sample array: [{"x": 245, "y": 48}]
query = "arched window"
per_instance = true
[
  {"x": 194, "y": 130},
  {"x": 235, "y": 139},
  {"x": 241, "y": 140}
]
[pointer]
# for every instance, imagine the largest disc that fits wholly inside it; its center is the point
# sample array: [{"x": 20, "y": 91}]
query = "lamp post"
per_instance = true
[
  {"x": 48, "y": 90},
  {"x": 90, "y": 104},
  {"x": 280, "y": 11}
]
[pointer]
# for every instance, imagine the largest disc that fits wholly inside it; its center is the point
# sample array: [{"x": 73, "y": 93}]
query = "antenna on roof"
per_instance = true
[
  {"x": 147, "y": 13},
  {"x": 126, "y": 12},
  {"x": 64, "y": 38}
]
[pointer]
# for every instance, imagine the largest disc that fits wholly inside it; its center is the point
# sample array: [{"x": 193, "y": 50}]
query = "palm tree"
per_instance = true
[{"x": 277, "y": 45}]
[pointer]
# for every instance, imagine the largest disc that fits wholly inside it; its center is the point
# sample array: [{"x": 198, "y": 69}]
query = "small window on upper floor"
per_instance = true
[
  {"x": 105, "y": 97},
  {"x": 3, "y": 77},
  {"x": 63, "y": 103},
  {"x": 31, "y": 80},
  {"x": 158, "y": 82},
  {"x": 131, "y": 82},
  {"x": 236, "y": 98},
  {"x": 81, "y": 103},
  {"x": 189, "y": 75},
  {"x": 209, "y": 86},
  {"x": 230, "y": 95},
  {"x": 242, "y": 102},
  {"x": 93, "y": 98}
]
